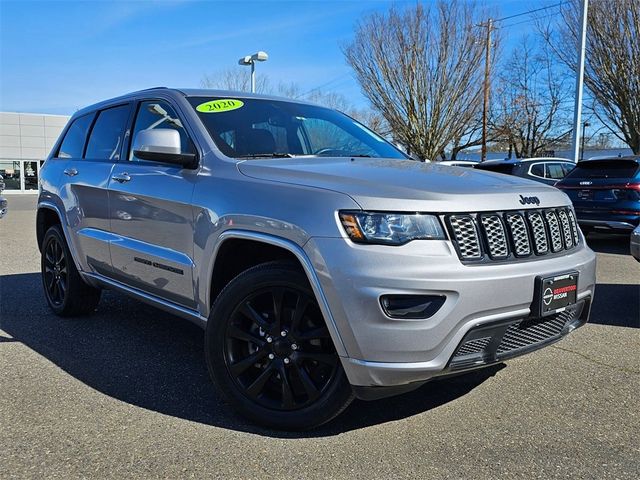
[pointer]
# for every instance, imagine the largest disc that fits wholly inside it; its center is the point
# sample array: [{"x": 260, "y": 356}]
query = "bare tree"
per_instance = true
[
  {"x": 422, "y": 69},
  {"x": 236, "y": 79},
  {"x": 612, "y": 67},
  {"x": 527, "y": 109},
  {"x": 239, "y": 80}
]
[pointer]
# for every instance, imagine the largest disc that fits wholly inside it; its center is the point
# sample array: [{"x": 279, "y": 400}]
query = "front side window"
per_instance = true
[
  {"x": 555, "y": 171},
  {"x": 107, "y": 134},
  {"x": 159, "y": 114},
  {"x": 74, "y": 139},
  {"x": 254, "y": 128}
]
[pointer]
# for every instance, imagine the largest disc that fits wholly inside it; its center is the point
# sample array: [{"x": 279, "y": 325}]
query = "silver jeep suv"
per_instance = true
[{"x": 322, "y": 262}]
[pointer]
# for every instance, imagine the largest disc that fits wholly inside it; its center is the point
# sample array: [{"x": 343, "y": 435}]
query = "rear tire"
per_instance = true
[
  {"x": 269, "y": 352},
  {"x": 66, "y": 292}
]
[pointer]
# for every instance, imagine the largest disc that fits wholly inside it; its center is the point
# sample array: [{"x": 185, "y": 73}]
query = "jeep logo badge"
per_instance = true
[{"x": 529, "y": 200}]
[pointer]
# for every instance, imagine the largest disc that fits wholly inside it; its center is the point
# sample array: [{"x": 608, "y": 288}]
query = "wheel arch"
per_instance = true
[
  {"x": 47, "y": 216},
  {"x": 265, "y": 247}
]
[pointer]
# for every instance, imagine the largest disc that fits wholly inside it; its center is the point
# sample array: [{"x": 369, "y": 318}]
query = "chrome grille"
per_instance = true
[
  {"x": 505, "y": 235},
  {"x": 554, "y": 230},
  {"x": 519, "y": 234},
  {"x": 574, "y": 226},
  {"x": 495, "y": 234},
  {"x": 539, "y": 233},
  {"x": 566, "y": 228},
  {"x": 466, "y": 236}
]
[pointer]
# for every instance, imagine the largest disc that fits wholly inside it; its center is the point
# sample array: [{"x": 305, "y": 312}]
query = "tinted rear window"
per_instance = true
[
  {"x": 605, "y": 169},
  {"x": 75, "y": 137},
  {"x": 500, "y": 168}
]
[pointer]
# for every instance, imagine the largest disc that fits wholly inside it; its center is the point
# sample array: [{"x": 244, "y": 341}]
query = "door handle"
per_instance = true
[
  {"x": 72, "y": 172},
  {"x": 121, "y": 177}
]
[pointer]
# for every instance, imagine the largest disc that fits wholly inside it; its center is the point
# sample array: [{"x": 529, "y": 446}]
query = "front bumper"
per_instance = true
[{"x": 384, "y": 351}]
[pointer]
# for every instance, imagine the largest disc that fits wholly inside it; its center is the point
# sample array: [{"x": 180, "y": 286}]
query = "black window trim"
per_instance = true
[
  {"x": 96, "y": 114},
  {"x": 124, "y": 158}
]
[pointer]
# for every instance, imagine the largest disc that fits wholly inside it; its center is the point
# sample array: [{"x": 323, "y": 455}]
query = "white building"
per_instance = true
[{"x": 25, "y": 141}]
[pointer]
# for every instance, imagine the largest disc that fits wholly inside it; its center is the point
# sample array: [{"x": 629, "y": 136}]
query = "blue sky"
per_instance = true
[{"x": 58, "y": 56}]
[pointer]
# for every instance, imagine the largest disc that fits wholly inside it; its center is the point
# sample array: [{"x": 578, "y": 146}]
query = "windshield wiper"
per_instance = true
[{"x": 266, "y": 155}]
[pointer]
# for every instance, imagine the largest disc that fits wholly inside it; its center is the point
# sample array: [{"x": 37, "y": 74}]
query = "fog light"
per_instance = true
[{"x": 411, "y": 306}]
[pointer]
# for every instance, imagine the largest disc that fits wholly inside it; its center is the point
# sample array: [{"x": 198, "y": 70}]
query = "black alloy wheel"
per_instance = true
[
  {"x": 66, "y": 292},
  {"x": 278, "y": 349},
  {"x": 55, "y": 272},
  {"x": 270, "y": 352}
]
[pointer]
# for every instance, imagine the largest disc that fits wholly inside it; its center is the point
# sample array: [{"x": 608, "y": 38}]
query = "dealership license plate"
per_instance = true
[{"x": 556, "y": 293}]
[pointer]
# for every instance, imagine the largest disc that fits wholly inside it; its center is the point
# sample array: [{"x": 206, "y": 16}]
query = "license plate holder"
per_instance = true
[{"x": 553, "y": 294}]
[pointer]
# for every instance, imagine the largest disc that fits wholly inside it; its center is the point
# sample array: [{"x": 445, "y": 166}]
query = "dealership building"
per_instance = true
[{"x": 25, "y": 141}]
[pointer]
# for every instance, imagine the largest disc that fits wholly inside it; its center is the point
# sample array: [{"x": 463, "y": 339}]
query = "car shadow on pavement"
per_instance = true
[
  {"x": 609, "y": 243},
  {"x": 617, "y": 305},
  {"x": 154, "y": 360}
]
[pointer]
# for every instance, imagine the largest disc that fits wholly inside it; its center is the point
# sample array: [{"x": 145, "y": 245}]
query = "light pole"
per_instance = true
[
  {"x": 577, "y": 109},
  {"x": 584, "y": 127},
  {"x": 251, "y": 60}
]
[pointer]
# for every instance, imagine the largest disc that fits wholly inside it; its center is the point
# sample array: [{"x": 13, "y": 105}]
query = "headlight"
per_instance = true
[{"x": 391, "y": 228}]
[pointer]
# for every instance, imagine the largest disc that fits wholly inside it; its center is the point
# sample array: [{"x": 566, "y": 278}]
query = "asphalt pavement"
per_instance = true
[{"x": 124, "y": 393}]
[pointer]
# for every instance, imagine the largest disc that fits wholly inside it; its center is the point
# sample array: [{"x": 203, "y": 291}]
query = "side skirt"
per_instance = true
[{"x": 184, "y": 312}]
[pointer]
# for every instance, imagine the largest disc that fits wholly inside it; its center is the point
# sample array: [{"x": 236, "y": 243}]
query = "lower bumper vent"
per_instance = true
[{"x": 492, "y": 343}]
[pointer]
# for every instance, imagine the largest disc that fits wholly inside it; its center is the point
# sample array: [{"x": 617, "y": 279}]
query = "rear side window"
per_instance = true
[
  {"x": 74, "y": 139},
  {"x": 537, "y": 170},
  {"x": 605, "y": 169},
  {"x": 107, "y": 134}
]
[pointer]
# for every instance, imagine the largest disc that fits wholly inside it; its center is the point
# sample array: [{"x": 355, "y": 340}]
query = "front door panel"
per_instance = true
[{"x": 152, "y": 227}]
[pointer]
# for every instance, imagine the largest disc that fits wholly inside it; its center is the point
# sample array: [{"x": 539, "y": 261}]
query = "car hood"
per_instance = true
[{"x": 405, "y": 185}]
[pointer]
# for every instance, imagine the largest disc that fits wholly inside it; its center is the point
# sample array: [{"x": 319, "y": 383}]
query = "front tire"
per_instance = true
[
  {"x": 66, "y": 293},
  {"x": 269, "y": 352}
]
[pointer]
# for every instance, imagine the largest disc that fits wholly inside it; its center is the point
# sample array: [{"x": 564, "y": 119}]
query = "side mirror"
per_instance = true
[{"x": 162, "y": 145}]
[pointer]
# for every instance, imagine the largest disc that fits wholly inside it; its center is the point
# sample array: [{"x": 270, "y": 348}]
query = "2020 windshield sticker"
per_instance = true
[{"x": 221, "y": 105}]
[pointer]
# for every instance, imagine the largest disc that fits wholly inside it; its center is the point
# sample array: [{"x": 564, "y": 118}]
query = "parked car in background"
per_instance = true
[
  {"x": 605, "y": 194},
  {"x": 545, "y": 169},
  {"x": 3, "y": 201},
  {"x": 635, "y": 243},
  {"x": 459, "y": 163}
]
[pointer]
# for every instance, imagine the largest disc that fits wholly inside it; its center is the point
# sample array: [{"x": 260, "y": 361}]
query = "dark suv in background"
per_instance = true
[
  {"x": 605, "y": 194},
  {"x": 544, "y": 169}
]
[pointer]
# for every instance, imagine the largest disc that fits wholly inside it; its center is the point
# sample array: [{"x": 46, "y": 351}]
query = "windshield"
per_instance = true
[{"x": 254, "y": 128}]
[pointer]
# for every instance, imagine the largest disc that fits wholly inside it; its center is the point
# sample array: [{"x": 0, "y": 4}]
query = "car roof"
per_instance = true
[
  {"x": 514, "y": 161},
  {"x": 186, "y": 92},
  {"x": 633, "y": 158}
]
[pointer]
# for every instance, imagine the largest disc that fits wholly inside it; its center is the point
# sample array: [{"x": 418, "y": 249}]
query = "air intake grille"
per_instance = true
[
  {"x": 527, "y": 333},
  {"x": 539, "y": 233},
  {"x": 513, "y": 235},
  {"x": 466, "y": 236},
  {"x": 554, "y": 230},
  {"x": 496, "y": 237}
]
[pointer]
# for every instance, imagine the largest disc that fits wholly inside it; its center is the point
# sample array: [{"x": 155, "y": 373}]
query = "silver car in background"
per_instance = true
[
  {"x": 321, "y": 261},
  {"x": 635, "y": 243},
  {"x": 3, "y": 201}
]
